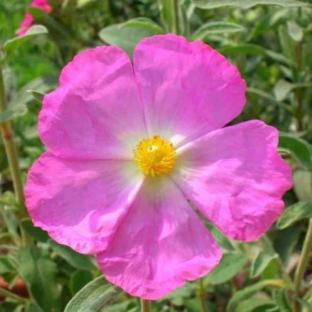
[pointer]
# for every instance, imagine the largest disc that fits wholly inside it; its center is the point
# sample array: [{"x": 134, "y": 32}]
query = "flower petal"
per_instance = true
[
  {"x": 95, "y": 113},
  {"x": 187, "y": 88},
  {"x": 80, "y": 203},
  {"x": 28, "y": 19},
  {"x": 160, "y": 245},
  {"x": 236, "y": 178}
]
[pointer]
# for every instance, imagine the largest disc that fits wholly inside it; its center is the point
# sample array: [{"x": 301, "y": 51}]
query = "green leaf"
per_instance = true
[
  {"x": 5, "y": 265},
  {"x": 287, "y": 44},
  {"x": 259, "y": 264},
  {"x": 282, "y": 300},
  {"x": 298, "y": 148},
  {"x": 285, "y": 242},
  {"x": 184, "y": 12},
  {"x": 180, "y": 295},
  {"x": 248, "y": 291},
  {"x": 305, "y": 305},
  {"x": 10, "y": 221},
  {"x": 221, "y": 239},
  {"x": 267, "y": 96},
  {"x": 245, "y": 4},
  {"x": 295, "y": 31},
  {"x": 38, "y": 96},
  {"x": 303, "y": 184},
  {"x": 251, "y": 304},
  {"x": 143, "y": 23},
  {"x": 166, "y": 15},
  {"x": 53, "y": 25},
  {"x": 82, "y": 3},
  {"x": 18, "y": 105},
  {"x": 33, "y": 308},
  {"x": 75, "y": 259},
  {"x": 32, "y": 32},
  {"x": 121, "y": 307},
  {"x": 282, "y": 89},
  {"x": 79, "y": 279},
  {"x": 25, "y": 94},
  {"x": 127, "y": 35},
  {"x": 13, "y": 112},
  {"x": 213, "y": 28},
  {"x": 253, "y": 49},
  {"x": 294, "y": 213},
  {"x": 93, "y": 297},
  {"x": 261, "y": 93},
  {"x": 229, "y": 266},
  {"x": 33, "y": 231},
  {"x": 39, "y": 273}
]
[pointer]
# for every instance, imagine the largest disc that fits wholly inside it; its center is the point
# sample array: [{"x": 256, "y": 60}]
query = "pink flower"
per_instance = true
[
  {"x": 132, "y": 149},
  {"x": 28, "y": 20}
]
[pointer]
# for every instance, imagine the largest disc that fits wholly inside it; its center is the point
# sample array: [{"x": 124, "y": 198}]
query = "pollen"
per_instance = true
[{"x": 155, "y": 156}]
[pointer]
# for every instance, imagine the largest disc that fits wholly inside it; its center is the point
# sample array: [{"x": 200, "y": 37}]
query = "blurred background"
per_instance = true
[{"x": 271, "y": 45}]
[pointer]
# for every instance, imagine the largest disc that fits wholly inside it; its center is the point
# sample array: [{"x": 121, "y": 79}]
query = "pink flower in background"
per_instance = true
[
  {"x": 28, "y": 19},
  {"x": 133, "y": 148}
]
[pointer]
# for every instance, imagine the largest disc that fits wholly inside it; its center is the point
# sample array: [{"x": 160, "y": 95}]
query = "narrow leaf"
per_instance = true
[
  {"x": 245, "y": 4},
  {"x": 282, "y": 89},
  {"x": 303, "y": 184},
  {"x": 13, "y": 113},
  {"x": 255, "y": 304},
  {"x": 294, "y": 213},
  {"x": 127, "y": 35},
  {"x": 33, "y": 308},
  {"x": 79, "y": 279},
  {"x": 213, "y": 28},
  {"x": 298, "y": 148},
  {"x": 38, "y": 96},
  {"x": 25, "y": 94},
  {"x": 260, "y": 263},
  {"x": 33, "y": 231},
  {"x": 75, "y": 259},
  {"x": 248, "y": 291},
  {"x": 93, "y": 297},
  {"x": 82, "y": 3},
  {"x": 287, "y": 44},
  {"x": 253, "y": 49},
  {"x": 39, "y": 273},
  {"x": 229, "y": 266},
  {"x": 295, "y": 31},
  {"x": 281, "y": 297},
  {"x": 33, "y": 31},
  {"x": 166, "y": 15}
]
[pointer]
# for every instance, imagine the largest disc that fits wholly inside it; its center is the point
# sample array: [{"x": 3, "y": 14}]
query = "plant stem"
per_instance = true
[
  {"x": 201, "y": 296},
  {"x": 299, "y": 114},
  {"x": 10, "y": 149},
  {"x": 175, "y": 17},
  {"x": 145, "y": 306},
  {"x": 298, "y": 93},
  {"x": 307, "y": 246}
]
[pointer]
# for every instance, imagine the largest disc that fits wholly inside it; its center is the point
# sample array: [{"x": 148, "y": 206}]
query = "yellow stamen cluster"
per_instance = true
[{"x": 155, "y": 156}]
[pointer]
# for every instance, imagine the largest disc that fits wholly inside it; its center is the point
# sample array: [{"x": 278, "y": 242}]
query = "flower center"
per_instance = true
[{"x": 155, "y": 156}]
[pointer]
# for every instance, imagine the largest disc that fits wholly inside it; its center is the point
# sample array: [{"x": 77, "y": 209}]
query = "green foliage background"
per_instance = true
[{"x": 272, "y": 46}]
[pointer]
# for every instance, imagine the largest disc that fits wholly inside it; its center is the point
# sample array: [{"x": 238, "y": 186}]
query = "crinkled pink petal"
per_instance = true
[
  {"x": 236, "y": 178},
  {"x": 28, "y": 20},
  {"x": 188, "y": 88},
  {"x": 80, "y": 203},
  {"x": 96, "y": 111},
  {"x": 160, "y": 244}
]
